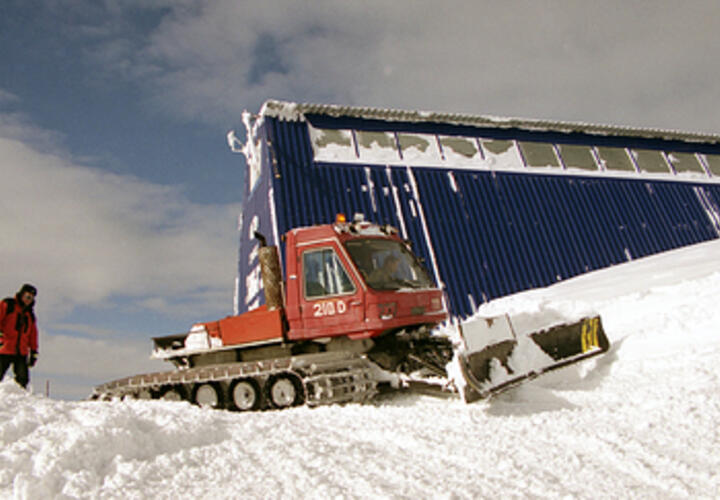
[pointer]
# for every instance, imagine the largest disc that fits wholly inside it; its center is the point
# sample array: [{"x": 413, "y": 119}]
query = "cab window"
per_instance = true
[
  {"x": 324, "y": 274},
  {"x": 387, "y": 264}
]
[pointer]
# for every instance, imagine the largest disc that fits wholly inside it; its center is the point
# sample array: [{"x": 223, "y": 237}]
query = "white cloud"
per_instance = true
[
  {"x": 84, "y": 236},
  {"x": 17, "y": 126},
  {"x": 76, "y": 364},
  {"x": 615, "y": 62},
  {"x": 7, "y": 97},
  {"x": 90, "y": 358}
]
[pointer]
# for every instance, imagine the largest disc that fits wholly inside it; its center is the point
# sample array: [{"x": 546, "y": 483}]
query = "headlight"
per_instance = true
[{"x": 435, "y": 304}]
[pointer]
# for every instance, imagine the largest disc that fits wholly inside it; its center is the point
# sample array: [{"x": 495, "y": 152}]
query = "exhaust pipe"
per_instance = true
[{"x": 271, "y": 274}]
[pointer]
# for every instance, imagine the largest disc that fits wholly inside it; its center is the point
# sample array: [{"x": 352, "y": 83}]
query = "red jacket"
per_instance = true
[{"x": 14, "y": 341}]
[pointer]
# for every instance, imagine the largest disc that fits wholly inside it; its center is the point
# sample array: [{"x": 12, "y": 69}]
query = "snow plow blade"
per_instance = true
[{"x": 496, "y": 357}]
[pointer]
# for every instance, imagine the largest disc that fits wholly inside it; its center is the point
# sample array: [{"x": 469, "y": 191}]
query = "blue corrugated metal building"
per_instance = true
[{"x": 494, "y": 206}]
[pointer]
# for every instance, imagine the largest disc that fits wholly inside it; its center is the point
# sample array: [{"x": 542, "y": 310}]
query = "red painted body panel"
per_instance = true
[
  {"x": 258, "y": 325},
  {"x": 394, "y": 310}
]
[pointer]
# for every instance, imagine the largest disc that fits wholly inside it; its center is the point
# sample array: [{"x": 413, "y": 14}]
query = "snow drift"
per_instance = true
[{"x": 640, "y": 421}]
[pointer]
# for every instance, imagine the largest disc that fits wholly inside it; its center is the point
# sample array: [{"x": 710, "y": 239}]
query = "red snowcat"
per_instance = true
[{"x": 356, "y": 314}]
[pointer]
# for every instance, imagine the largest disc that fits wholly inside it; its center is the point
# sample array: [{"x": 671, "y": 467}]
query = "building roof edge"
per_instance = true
[{"x": 293, "y": 111}]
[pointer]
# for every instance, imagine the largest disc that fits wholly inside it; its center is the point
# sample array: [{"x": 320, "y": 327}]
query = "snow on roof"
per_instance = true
[{"x": 291, "y": 111}]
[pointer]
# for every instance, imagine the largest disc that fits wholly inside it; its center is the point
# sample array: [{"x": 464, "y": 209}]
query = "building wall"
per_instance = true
[{"x": 483, "y": 233}]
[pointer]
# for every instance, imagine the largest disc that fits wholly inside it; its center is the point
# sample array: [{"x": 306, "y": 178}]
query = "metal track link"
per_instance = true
[
  {"x": 328, "y": 378},
  {"x": 213, "y": 373},
  {"x": 335, "y": 383}
]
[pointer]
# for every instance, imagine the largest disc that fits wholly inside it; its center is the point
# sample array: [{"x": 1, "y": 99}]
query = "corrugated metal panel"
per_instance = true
[
  {"x": 490, "y": 233},
  {"x": 503, "y": 233},
  {"x": 256, "y": 216},
  {"x": 313, "y": 194}
]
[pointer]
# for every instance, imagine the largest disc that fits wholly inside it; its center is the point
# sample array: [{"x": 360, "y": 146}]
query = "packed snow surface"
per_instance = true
[{"x": 639, "y": 422}]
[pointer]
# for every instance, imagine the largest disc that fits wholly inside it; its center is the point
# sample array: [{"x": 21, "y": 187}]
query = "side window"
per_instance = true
[
  {"x": 539, "y": 154},
  {"x": 615, "y": 159},
  {"x": 324, "y": 274}
]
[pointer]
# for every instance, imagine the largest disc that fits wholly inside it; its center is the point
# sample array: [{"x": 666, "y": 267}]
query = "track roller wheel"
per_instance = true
[
  {"x": 245, "y": 395},
  {"x": 284, "y": 390},
  {"x": 208, "y": 395},
  {"x": 172, "y": 393}
]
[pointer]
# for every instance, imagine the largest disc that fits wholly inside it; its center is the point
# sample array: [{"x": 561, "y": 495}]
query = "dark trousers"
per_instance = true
[{"x": 20, "y": 367}]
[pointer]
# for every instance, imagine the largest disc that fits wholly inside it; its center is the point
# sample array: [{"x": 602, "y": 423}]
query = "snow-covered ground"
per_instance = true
[{"x": 640, "y": 422}]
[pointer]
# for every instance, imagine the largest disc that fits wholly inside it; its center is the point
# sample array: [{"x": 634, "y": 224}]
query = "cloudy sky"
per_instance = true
[{"x": 119, "y": 197}]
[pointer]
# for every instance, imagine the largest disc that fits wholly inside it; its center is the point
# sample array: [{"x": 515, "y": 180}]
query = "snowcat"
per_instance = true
[{"x": 355, "y": 315}]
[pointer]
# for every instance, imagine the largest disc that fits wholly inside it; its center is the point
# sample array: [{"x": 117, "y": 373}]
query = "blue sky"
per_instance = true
[
  {"x": 120, "y": 196},
  {"x": 53, "y": 64}
]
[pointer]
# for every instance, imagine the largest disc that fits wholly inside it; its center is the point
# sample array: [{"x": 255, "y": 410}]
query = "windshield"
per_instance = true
[{"x": 387, "y": 264}]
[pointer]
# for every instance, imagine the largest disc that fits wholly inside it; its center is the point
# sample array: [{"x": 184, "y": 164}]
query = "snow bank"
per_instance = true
[
  {"x": 640, "y": 421},
  {"x": 51, "y": 448}
]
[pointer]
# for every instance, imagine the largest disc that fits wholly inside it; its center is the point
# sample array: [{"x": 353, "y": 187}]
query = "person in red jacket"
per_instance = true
[{"x": 18, "y": 334}]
